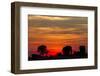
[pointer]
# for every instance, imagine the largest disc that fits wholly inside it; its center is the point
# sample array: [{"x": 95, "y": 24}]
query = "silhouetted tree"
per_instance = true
[
  {"x": 42, "y": 49},
  {"x": 82, "y": 49},
  {"x": 82, "y": 52},
  {"x": 67, "y": 51}
]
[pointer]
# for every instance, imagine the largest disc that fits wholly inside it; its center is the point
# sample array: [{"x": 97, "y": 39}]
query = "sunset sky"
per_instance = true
[{"x": 56, "y": 32}]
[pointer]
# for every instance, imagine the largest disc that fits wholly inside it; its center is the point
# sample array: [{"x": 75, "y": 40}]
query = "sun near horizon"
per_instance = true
[{"x": 56, "y": 32}]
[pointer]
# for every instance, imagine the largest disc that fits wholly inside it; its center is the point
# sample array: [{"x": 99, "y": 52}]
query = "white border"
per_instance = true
[{"x": 25, "y": 64}]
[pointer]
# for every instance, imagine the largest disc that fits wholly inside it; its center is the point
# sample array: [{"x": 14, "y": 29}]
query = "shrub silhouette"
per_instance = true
[
  {"x": 67, "y": 51},
  {"x": 42, "y": 49},
  {"x": 59, "y": 54},
  {"x": 35, "y": 56}
]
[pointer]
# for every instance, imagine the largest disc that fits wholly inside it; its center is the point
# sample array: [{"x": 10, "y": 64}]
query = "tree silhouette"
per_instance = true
[
  {"x": 67, "y": 51},
  {"x": 42, "y": 49},
  {"x": 82, "y": 49},
  {"x": 82, "y": 52}
]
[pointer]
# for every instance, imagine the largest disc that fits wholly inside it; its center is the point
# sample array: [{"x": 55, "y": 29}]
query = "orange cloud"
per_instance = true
[{"x": 55, "y": 38}]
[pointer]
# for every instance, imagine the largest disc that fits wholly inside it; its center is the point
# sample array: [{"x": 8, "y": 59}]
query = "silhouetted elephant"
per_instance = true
[
  {"x": 42, "y": 49},
  {"x": 67, "y": 51}
]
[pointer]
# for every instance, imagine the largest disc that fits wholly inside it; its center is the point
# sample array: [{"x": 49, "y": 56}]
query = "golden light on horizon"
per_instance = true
[{"x": 56, "y": 32}]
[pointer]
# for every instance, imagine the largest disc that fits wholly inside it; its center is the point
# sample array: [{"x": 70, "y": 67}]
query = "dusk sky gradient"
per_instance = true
[{"x": 56, "y": 32}]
